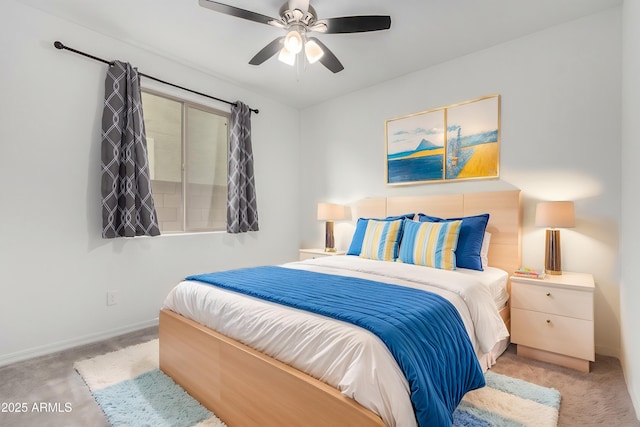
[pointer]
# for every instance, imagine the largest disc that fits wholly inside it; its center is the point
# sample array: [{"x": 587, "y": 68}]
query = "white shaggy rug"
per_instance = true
[
  {"x": 112, "y": 368},
  {"x": 508, "y": 402},
  {"x": 132, "y": 391}
]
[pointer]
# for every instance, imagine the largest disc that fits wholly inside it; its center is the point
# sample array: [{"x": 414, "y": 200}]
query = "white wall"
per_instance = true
[
  {"x": 630, "y": 250},
  {"x": 561, "y": 106},
  {"x": 55, "y": 269}
]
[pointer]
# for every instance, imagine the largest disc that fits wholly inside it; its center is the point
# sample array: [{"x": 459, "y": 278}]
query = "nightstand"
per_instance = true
[
  {"x": 552, "y": 319},
  {"x": 317, "y": 253}
]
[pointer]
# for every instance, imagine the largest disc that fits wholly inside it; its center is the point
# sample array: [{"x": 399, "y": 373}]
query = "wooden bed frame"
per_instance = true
[{"x": 247, "y": 388}]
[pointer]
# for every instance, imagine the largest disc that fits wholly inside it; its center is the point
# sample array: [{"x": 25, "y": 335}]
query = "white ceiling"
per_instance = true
[{"x": 423, "y": 33}]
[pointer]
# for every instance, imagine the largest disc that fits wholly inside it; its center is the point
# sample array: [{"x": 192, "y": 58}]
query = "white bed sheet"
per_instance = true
[
  {"x": 345, "y": 356},
  {"x": 495, "y": 280}
]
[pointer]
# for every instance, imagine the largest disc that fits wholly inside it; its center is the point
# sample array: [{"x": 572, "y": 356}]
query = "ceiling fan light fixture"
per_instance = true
[
  {"x": 299, "y": 19},
  {"x": 293, "y": 42},
  {"x": 287, "y": 56},
  {"x": 313, "y": 51}
]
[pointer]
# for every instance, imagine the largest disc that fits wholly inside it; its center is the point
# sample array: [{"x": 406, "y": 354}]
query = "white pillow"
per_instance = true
[{"x": 484, "y": 251}]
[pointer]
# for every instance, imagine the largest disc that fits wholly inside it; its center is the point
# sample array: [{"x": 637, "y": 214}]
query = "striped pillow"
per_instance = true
[
  {"x": 381, "y": 240},
  {"x": 432, "y": 244},
  {"x": 361, "y": 226}
]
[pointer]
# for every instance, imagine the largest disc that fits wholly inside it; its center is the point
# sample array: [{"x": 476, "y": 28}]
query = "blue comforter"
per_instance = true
[{"x": 422, "y": 330}]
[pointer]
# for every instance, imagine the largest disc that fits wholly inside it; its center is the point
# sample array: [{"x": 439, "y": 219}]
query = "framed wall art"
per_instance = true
[{"x": 419, "y": 150}]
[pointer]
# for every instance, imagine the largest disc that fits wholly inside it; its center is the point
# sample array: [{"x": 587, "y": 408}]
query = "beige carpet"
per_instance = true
[{"x": 599, "y": 398}]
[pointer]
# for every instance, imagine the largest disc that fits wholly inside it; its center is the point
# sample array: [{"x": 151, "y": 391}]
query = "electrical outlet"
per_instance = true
[{"x": 112, "y": 297}]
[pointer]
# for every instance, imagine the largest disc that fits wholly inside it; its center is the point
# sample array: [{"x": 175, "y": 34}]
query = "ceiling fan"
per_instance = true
[{"x": 299, "y": 18}]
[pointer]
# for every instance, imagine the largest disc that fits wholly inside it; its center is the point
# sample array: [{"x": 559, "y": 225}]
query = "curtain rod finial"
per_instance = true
[{"x": 58, "y": 45}]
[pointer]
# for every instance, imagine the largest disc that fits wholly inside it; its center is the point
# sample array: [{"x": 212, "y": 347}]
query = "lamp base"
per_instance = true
[
  {"x": 329, "y": 243},
  {"x": 552, "y": 256}
]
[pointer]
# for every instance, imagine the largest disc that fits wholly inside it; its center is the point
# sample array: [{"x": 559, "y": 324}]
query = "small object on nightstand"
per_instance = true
[
  {"x": 527, "y": 272},
  {"x": 552, "y": 318},
  {"x": 317, "y": 253}
]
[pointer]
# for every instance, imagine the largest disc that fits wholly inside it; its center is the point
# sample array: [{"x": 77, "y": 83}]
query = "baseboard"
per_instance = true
[
  {"x": 19, "y": 356},
  {"x": 631, "y": 385}
]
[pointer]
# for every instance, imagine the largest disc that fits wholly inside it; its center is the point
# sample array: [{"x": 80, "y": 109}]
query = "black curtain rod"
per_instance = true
[{"x": 61, "y": 46}]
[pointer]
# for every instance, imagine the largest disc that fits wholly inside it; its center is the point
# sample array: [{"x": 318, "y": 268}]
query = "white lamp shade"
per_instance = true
[
  {"x": 331, "y": 212},
  {"x": 287, "y": 57},
  {"x": 313, "y": 51},
  {"x": 293, "y": 42},
  {"x": 555, "y": 215}
]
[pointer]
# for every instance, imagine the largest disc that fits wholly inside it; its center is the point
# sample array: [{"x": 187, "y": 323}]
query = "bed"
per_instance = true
[{"x": 245, "y": 386}]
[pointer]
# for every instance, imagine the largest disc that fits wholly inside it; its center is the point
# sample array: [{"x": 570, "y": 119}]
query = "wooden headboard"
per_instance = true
[{"x": 503, "y": 207}]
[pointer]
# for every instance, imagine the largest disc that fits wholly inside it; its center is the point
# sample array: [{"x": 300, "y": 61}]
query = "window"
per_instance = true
[{"x": 187, "y": 145}]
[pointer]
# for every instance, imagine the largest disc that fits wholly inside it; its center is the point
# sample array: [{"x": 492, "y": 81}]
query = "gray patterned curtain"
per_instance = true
[
  {"x": 127, "y": 203},
  {"x": 242, "y": 210}
]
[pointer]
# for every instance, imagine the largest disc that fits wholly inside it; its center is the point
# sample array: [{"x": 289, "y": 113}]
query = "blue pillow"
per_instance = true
[
  {"x": 469, "y": 240},
  {"x": 361, "y": 227}
]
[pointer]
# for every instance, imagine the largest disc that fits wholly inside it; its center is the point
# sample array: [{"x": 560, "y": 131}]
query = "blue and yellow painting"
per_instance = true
[
  {"x": 472, "y": 139},
  {"x": 415, "y": 148},
  {"x": 418, "y": 149}
]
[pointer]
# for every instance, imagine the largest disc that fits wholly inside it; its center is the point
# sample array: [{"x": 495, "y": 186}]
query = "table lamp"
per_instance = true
[
  {"x": 554, "y": 215},
  {"x": 330, "y": 212}
]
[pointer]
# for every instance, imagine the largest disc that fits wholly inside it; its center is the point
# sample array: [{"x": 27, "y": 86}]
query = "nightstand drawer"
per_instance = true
[
  {"x": 557, "y": 334},
  {"x": 549, "y": 299},
  {"x": 307, "y": 255}
]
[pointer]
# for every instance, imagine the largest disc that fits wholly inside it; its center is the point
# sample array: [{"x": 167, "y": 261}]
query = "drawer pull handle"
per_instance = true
[
  {"x": 548, "y": 294},
  {"x": 548, "y": 322}
]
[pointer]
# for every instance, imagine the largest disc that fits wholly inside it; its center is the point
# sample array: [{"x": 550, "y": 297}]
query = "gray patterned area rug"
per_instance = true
[{"x": 132, "y": 391}]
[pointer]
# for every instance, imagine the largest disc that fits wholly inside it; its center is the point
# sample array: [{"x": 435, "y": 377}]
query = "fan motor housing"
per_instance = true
[{"x": 288, "y": 16}]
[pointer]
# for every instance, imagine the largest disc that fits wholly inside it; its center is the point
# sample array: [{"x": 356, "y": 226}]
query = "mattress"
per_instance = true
[{"x": 345, "y": 356}]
